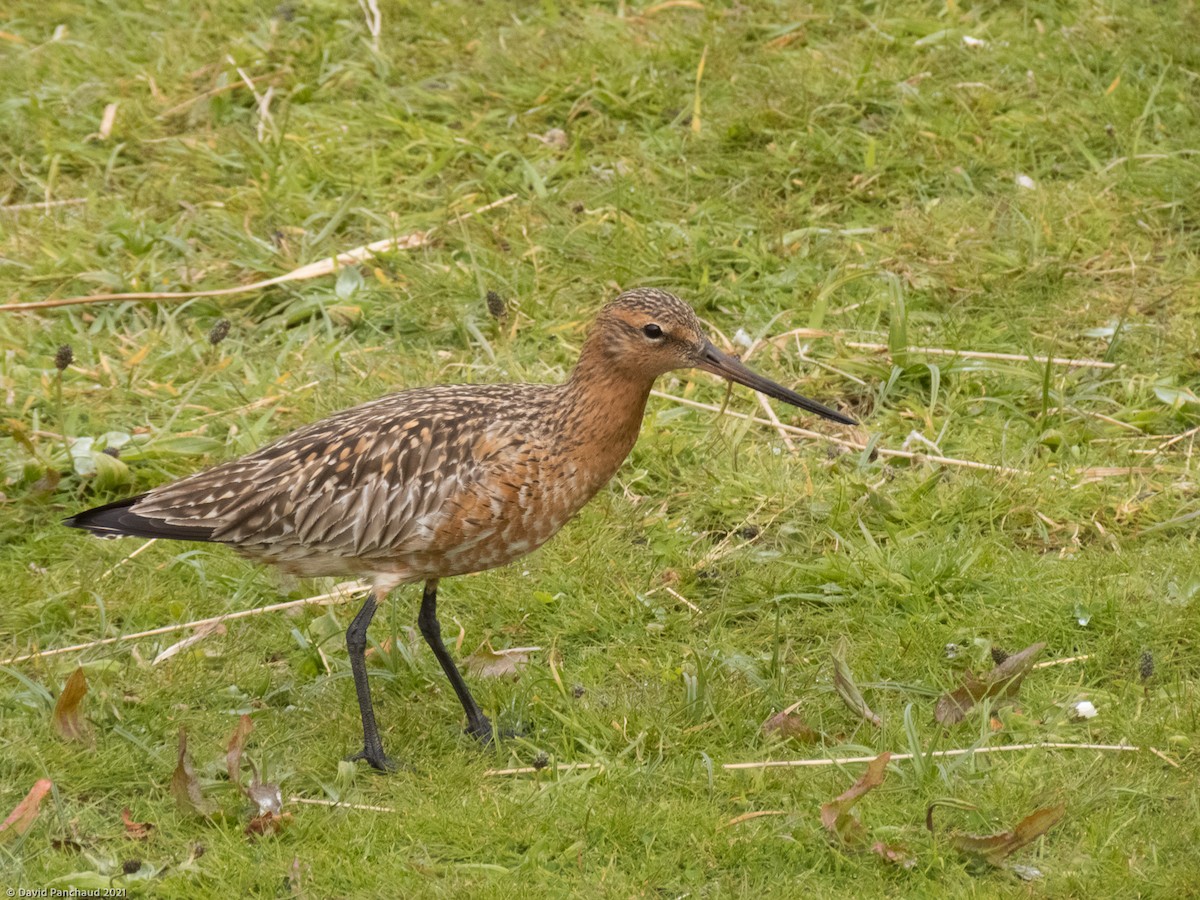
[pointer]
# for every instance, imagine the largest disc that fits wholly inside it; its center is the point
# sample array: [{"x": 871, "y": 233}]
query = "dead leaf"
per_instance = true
[
  {"x": 488, "y": 663},
  {"x": 843, "y": 682},
  {"x": 21, "y": 819},
  {"x": 790, "y": 726},
  {"x": 68, "y": 713},
  {"x": 1001, "y": 683},
  {"x": 267, "y": 823},
  {"x": 995, "y": 848},
  {"x": 233, "y": 752},
  {"x": 897, "y": 856},
  {"x": 135, "y": 831},
  {"x": 185, "y": 787},
  {"x": 835, "y": 815}
]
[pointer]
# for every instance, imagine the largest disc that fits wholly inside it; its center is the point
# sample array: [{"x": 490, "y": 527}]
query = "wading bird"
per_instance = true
[{"x": 439, "y": 481}]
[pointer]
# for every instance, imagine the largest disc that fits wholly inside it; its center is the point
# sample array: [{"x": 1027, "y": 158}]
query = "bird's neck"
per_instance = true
[{"x": 602, "y": 409}]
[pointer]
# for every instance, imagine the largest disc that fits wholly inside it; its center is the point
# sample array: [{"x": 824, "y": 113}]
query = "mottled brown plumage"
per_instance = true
[{"x": 438, "y": 481}]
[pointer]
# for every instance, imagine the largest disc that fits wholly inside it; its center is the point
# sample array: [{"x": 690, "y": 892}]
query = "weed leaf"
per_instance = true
[
  {"x": 843, "y": 681},
  {"x": 25, "y": 813},
  {"x": 233, "y": 752},
  {"x": 185, "y": 787},
  {"x": 836, "y": 816},
  {"x": 1000, "y": 683},
  {"x": 995, "y": 848},
  {"x": 68, "y": 713}
]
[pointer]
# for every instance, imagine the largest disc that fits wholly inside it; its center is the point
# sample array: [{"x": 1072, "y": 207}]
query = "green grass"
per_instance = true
[{"x": 856, "y": 170}]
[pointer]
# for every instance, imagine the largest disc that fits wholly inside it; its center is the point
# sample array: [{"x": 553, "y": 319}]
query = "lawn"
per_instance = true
[{"x": 973, "y": 226}]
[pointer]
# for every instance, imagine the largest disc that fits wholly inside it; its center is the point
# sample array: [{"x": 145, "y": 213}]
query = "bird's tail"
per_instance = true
[{"x": 118, "y": 520}]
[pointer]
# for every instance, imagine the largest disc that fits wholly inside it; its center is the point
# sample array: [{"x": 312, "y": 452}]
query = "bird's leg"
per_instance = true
[
  {"x": 478, "y": 725},
  {"x": 356, "y": 644}
]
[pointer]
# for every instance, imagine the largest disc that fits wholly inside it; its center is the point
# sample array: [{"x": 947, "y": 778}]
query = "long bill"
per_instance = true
[{"x": 713, "y": 360}]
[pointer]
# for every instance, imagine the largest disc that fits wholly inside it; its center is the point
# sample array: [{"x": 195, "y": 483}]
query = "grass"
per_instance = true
[{"x": 854, "y": 169}]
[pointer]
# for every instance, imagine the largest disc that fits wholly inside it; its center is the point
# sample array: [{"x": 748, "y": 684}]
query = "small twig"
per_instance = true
[
  {"x": 774, "y": 419},
  {"x": 843, "y": 442},
  {"x": 1164, "y": 757},
  {"x": 1062, "y": 662},
  {"x": 1179, "y": 437},
  {"x": 312, "y": 270},
  {"x": 343, "y": 594},
  {"x": 333, "y": 804},
  {"x": 722, "y": 548},
  {"x": 42, "y": 204},
  {"x": 682, "y": 599},
  {"x": 530, "y": 770},
  {"x": 1002, "y": 357},
  {"x": 896, "y": 757},
  {"x": 120, "y": 562},
  {"x": 945, "y": 351},
  {"x": 370, "y": 11},
  {"x": 213, "y": 92}
]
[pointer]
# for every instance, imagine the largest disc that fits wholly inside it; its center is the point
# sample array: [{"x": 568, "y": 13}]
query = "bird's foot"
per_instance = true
[
  {"x": 378, "y": 760},
  {"x": 481, "y": 729}
]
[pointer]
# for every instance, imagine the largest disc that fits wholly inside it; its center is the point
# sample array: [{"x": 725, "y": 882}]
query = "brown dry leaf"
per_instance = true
[
  {"x": 1000, "y": 683},
  {"x": 488, "y": 663},
  {"x": 233, "y": 751},
  {"x": 185, "y": 787},
  {"x": 897, "y": 856},
  {"x": 25, "y": 813},
  {"x": 835, "y": 815},
  {"x": 267, "y": 823},
  {"x": 788, "y": 725},
  {"x": 843, "y": 682},
  {"x": 135, "y": 831},
  {"x": 995, "y": 848},
  {"x": 68, "y": 714}
]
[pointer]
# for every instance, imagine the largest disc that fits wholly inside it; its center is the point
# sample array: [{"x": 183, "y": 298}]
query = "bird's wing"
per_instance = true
[{"x": 358, "y": 483}]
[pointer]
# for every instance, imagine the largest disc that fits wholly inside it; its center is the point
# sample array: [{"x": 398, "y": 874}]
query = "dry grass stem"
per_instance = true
[
  {"x": 1061, "y": 662},
  {"x": 313, "y": 270},
  {"x": 530, "y": 770},
  {"x": 333, "y": 804},
  {"x": 42, "y": 204},
  {"x": 843, "y": 442},
  {"x": 342, "y": 594},
  {"x": 120, "y": 562},
  {"x": 938, "y": 754},
  {"x": 945, "y": 351}
]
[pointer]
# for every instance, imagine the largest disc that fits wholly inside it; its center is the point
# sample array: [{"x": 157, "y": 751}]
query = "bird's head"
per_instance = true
[{"x": 647, "y": 332}]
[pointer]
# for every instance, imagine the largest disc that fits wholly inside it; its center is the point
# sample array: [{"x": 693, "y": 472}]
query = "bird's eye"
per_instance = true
[{"x": 652, "y": 331}]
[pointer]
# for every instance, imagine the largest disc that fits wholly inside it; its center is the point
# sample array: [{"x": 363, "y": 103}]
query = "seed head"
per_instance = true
[
  {"x": 578, "y": 691},
  {"x": 64, "y": 357},
  {"x": 541, "y": 761},
  {"x": 131, "y": 865},
  {"x": 1146, "y": 665},
  {"x": 218, "y": 332},
  {"x": 495, "y": 305},
  {"x": 999, "y": 656}
]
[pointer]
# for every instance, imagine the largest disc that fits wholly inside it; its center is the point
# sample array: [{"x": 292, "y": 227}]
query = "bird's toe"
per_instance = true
[{"x": 376, "y": 758}]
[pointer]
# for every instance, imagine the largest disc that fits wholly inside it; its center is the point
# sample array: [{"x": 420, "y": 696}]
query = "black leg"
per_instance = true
[
  {"x": 356, "y": 643},
  {"x": 478, "y": 725}
]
